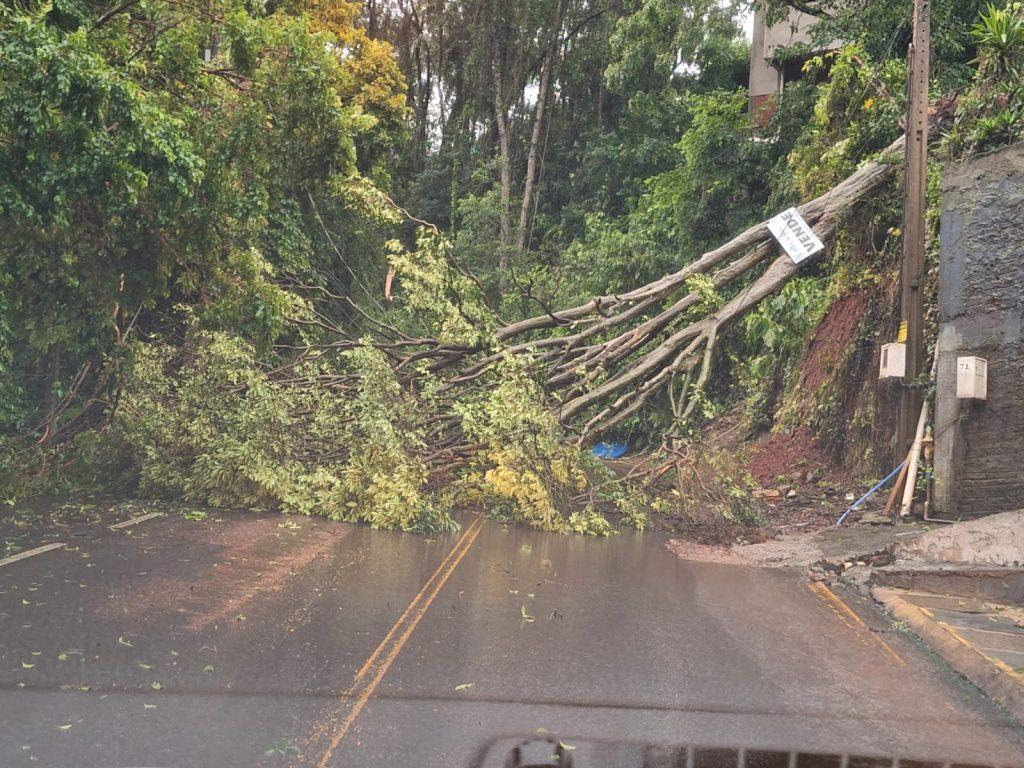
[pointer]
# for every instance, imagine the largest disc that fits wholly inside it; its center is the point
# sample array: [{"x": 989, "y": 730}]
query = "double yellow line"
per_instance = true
[{"x": 369, "y": 676}]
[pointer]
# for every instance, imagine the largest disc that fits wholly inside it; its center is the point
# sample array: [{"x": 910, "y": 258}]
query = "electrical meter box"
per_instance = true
[
  {"x": 972, "y": 378},
  {"x": 893, "y": 361}
]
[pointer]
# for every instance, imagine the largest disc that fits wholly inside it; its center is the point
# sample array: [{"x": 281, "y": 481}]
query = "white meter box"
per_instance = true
[
  {"x": 972, "y": 378},
  {"x": 893, "y": 361}
]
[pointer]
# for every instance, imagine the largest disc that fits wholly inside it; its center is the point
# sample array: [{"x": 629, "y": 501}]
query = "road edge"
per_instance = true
[{"x": 993, "y": 677}]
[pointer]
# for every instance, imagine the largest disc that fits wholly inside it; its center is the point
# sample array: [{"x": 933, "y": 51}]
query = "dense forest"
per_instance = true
[{"x": 341, "y": 258}]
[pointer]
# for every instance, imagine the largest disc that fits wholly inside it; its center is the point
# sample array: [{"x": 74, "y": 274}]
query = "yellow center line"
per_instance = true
[
  {"x": 369, "y": 676},
  {"x": 843, "y": 609}
]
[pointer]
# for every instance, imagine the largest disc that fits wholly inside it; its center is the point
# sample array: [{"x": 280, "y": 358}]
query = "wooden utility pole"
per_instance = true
[{"x": 915, "y": 187}]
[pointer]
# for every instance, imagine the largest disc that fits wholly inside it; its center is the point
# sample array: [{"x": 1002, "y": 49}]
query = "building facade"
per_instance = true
[{"x": 769, "y": 69}]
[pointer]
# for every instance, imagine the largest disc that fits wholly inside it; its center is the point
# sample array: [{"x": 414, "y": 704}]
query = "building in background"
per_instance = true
[{"x": 770, "y": 67}]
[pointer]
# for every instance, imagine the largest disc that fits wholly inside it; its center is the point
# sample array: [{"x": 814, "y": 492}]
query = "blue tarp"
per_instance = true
[{"x": 610, "y": 450}]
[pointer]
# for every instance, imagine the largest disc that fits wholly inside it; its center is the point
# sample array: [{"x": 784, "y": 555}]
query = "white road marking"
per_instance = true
[
  {"x": 29, "y": 553},
  {"x": 134, "y": 520}
]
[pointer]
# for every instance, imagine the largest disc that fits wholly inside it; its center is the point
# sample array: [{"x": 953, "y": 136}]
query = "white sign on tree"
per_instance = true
[{"x": 794, "y": 235}]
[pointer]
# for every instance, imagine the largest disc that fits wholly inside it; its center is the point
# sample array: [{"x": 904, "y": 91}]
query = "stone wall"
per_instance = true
[{"x": 979, "y": 445}]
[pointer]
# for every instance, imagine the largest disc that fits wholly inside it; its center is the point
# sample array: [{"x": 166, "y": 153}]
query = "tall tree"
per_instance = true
[{"x": 539, "y": 115}]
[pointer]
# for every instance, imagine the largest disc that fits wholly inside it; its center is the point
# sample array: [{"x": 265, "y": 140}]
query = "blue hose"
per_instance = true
[{"x": 870, "y": 493}]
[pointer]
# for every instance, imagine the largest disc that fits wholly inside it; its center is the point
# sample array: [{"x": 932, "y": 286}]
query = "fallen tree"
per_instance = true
[
  {"x": 396, "y": 428},
  {"x": 603, "y": 360}
]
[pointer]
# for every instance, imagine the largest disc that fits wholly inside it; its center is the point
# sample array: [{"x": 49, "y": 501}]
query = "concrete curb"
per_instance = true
[
  {"x": 982, "y": 582},
  {"x": 992, "y": 676}
]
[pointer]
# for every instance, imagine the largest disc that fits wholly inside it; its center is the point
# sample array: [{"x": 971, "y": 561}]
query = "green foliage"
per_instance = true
[
  {"x": 883, "y": 29},
  {"x": 857, "y": 113},
  {"x": 991, "y": 113},
  {"x": 243, "y": 298},
  {"x": 718, "y": 185},
  {"x": 773, "y": 336},
  {"x": 1000, "y": 38},
  {"x": 339, "y": 435},
  {"x": 439, "y": 299},
  {"x": 708, "y": 297},
  {"x": 635, "y": 505},
  {"x": 525, "y": 468},
  {"x": 657, "y": 39},
  {"x": 589, "y": 522},
  {"x": 208, "y": 426},
  {"x": 138, "y": 175},
  {"x": 94, "y": 167},
  {"x": 384, "y": 481}
]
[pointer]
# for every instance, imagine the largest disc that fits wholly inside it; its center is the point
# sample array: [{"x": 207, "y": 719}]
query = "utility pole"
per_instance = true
[{"x": 914, "y": 190}]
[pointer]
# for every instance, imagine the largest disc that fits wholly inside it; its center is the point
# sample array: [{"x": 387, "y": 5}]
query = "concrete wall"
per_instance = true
[{"x": 979, "y": 445}]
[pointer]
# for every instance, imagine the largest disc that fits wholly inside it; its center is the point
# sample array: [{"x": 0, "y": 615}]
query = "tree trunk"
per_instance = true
[
  {"x": 52, "y": 400},
  {"x": 371, "y": 19},
  {"x": 597, "y": 379},
  {"x": 540, "y": 113},
  {"x": 603, "y": 94},
  {"x": 505, "y": 159}
]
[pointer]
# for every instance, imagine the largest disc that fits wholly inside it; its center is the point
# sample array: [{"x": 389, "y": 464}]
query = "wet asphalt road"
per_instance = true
[{"x": 247, "y": 640}]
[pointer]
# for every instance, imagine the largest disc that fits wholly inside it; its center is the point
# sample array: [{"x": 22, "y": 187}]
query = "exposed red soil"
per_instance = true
[
  {"x": 831, "y": 341},
  {"x": 803, "y": 480},
  {"x": 788, "y": 457}
]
